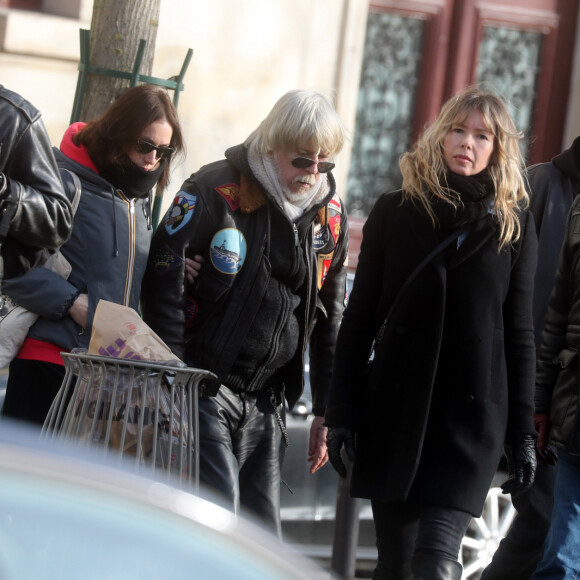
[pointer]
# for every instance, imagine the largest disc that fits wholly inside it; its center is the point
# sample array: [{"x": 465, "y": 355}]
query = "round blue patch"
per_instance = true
[{"x": 228, "y": 250}]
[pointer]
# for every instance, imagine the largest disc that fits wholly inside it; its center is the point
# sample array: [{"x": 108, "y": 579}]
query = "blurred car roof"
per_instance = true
[{"x": 67, "y": 514}]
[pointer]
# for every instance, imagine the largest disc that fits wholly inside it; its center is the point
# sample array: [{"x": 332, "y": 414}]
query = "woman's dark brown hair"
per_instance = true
[{"x": 109, "y": 137}]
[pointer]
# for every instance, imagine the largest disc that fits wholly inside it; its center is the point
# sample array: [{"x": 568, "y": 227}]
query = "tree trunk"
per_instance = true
[{"x": 117, "y": 26}]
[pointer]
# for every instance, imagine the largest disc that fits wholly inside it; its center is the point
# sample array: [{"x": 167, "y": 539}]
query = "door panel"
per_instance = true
[
  {"x": 401, "y": 85},
  {"x": 525, "y": 49},
  {"x": 509, "y": 63},
  {"x": 385, "y": 107}
]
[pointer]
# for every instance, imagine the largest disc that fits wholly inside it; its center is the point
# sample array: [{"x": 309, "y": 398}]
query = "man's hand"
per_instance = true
[
  {"x": 545, "y": 452},
  {"x": 79, "y": 311},
  {"x": 317, "y": 451},
  {"x": 192, "y": 267},
  {"x": 542, "y": 424}
]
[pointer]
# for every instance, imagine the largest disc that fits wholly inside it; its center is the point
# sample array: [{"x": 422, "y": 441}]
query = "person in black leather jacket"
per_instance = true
[
  {"x": 553, "y": 187},
  {"x": 35, "y": 214},
  {"x": 557, "y": 407},
  {"x": 274, "y": 237}
]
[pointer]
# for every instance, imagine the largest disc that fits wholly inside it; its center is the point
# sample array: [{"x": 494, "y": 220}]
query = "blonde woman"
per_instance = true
[{"x": 453, "y": 373}]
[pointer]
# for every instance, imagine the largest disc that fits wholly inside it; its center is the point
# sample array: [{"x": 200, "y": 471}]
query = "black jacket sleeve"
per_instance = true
[{"x": 332, "y": 297}]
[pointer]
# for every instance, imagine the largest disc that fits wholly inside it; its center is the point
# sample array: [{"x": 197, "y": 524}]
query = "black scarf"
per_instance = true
[
  {"x": 476, "y": 192},
  {"x": 131, "y": 179}
]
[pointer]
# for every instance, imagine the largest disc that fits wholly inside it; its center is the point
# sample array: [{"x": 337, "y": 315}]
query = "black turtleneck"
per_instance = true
[{"x": 132, "y": 180}]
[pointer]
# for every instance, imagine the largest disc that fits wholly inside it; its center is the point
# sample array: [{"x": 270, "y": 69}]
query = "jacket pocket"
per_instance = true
[{"x": 565, "y": 394}]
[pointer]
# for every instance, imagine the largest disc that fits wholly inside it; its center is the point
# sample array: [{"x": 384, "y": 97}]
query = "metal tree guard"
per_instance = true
[{"x": 85, "y": 68}]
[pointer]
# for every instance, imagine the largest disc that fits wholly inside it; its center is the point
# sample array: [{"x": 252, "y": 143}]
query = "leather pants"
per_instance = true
[
  {"x": 241, "y": 451},
  {"x": 418, "y": 541}
]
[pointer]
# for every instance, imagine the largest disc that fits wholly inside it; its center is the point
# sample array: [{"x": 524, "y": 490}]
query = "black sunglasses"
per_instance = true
[
  {"x": 161, "y": 151},
  {"x": 304, "y": 162}
]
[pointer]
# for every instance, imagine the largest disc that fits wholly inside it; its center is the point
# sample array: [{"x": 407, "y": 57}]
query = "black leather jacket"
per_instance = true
[
  {"x": 557, "y": 375},
  {"x": 222, "y": 306},
  {"x": 33, "y": 205},
  {"x": 553, "y": 187}
]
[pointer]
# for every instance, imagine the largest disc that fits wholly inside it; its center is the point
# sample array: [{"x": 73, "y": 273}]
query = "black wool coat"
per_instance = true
[{"x": 454, "y": 373}]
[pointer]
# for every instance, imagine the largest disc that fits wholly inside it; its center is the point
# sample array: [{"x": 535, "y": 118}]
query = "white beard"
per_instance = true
[
  {"x": 266, "y": 168},
  {"x": 295, "y": 197}
]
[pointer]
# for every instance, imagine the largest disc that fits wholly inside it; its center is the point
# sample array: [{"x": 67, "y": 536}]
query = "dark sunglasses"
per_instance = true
[
  {"x": 304, "y": 162},
  {"x": 161, "y": 151}
]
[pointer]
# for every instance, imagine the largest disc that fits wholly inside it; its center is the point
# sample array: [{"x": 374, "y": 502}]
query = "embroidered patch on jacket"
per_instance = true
[
  {"x": 334, "y": 221},
  {"x": 320, "y": 237},
  {"x": 180, "y": 212},
  {"x": 324, "y": 261},
  {"x": 228, "y": 251},
  {"x": 334, "y": 204},
  {"x": 191, "y": 310},
  {"x": 165, "y": 260},
  {"x": 231, "y": 193}
]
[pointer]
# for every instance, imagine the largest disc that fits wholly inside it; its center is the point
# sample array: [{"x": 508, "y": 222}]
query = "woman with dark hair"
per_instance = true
[
  {"x": 452, "y": 378},
  {"x": 118, "y": 158}
]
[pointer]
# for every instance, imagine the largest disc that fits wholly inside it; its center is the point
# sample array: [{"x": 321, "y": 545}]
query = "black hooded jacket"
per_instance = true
[
  {"x": 557, "y": 391},
  {"x": 553, "y": 187}
]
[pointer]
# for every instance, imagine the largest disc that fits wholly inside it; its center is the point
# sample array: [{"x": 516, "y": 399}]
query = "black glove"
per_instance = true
[
  {"x": 522, "y": 465},
  {"x": 335, "y": 439}
]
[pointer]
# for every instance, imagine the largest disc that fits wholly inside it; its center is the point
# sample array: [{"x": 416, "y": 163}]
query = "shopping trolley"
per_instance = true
[{"x": 144, "y": 414}]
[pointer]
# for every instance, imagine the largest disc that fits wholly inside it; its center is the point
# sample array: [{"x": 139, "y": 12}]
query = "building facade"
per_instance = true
[{"x": 388, "y": 64}]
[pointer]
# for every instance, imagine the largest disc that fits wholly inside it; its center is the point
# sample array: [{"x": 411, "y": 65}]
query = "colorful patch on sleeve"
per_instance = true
[
  {"x": 191, "y": 310},
  {"x": 228, "y": 251},
  {"x": 165, "y": 260},
  {"x": 180, "y": 212},
  {"x": 334, "y": 222},
  {"x": 231, "y": 193},
  {"x": 324, "y": 262},
  {"x": 334, "y": 204}
]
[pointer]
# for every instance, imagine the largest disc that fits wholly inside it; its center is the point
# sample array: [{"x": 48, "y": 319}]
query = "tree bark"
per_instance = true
[{"x": 117, "y": 26}]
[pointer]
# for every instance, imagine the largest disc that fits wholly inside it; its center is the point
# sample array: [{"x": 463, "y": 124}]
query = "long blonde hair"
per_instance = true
[{"x": 424, "y": 168}]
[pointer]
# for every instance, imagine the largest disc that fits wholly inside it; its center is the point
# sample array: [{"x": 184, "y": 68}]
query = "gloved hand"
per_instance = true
[
  {"x": 522, "y": 465},
  {"x": 544, "y": 451},
  {"x": 335, "y": 439}
]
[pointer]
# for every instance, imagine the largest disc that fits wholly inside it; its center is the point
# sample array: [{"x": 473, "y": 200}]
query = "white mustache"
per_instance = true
[{"x": 308, "y": 179}]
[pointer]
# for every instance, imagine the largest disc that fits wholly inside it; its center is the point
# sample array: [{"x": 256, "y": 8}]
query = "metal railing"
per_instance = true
[{"x": 143, "y": 413}]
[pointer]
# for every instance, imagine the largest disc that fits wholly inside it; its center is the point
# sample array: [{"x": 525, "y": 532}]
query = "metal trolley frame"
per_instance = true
[{"x": 88, "y": 410}]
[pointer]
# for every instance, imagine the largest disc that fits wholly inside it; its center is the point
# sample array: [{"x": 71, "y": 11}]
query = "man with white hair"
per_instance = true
[{"x": 274, "y": 237}]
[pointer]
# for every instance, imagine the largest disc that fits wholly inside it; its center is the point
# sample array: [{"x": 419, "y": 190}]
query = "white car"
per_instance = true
[{"x": 67, "y": 516}]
